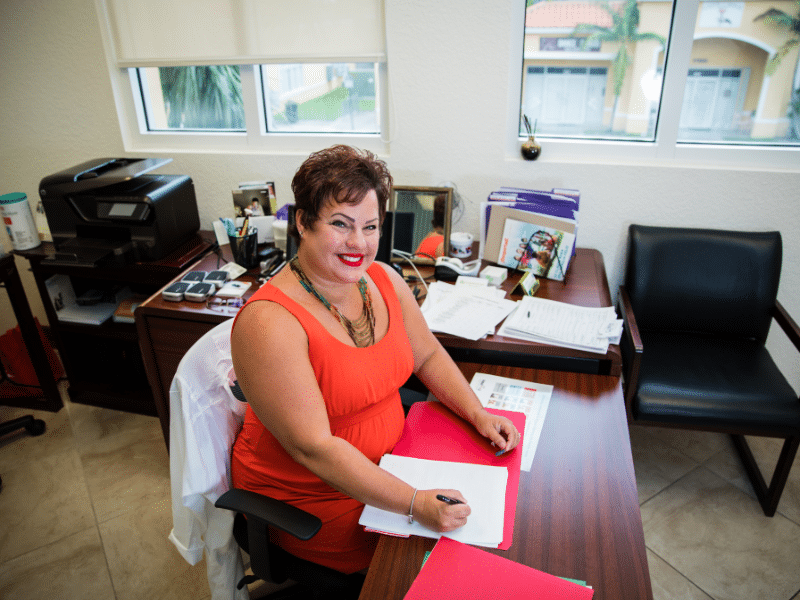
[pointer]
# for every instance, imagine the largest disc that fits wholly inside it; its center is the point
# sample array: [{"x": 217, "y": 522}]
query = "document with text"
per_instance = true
[{"x": 517, "y": 395}]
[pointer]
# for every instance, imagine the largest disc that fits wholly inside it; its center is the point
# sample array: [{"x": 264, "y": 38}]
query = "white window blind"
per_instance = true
[{"x": 215, "y": 32}]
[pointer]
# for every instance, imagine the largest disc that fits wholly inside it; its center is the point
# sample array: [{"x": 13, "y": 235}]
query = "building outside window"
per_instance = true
[{"x": 595, "y": 70}]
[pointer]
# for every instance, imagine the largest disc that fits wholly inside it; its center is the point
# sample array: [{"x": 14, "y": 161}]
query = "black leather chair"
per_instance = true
[
  {"x": 255, "y": 515},
  {"x": 697, "y": 306},
  {"x": 205, "y": 416}
]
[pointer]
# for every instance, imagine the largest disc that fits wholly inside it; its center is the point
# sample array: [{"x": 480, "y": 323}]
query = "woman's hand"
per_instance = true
[
  {"x": 498, "y": 430},
  {"x": 438, "y": 515}
]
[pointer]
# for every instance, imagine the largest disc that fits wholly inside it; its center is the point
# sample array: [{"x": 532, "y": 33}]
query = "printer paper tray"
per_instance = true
[{"x": 90, "y": 253}]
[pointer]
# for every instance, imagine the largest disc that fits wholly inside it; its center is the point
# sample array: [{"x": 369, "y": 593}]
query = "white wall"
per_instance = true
[{"x": 450, "y": 71}]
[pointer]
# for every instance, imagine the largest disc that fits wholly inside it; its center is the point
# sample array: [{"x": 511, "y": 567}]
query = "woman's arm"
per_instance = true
[
  {"x": 440, "y": 374},
  {"x": 270, "y": 357}
]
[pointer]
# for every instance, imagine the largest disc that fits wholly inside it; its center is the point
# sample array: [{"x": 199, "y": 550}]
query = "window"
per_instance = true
[
  {"x": 293, "y": 98},
  {"x": 226, "y": 75},
  {"x": 672, "y": 75}
]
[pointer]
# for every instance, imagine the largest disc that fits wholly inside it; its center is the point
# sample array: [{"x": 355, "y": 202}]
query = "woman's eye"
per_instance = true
[{"x": 339, "y": 224}]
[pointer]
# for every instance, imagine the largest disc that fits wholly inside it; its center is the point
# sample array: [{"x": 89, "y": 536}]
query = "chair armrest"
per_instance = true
[
  {"x": 788, "y": 324},
  {"x": 632, "y": 349},
  {"x": 292, "y": 520}
]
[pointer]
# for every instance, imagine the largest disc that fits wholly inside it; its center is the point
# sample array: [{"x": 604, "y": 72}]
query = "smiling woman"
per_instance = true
[{"x": 321, "y": 351}]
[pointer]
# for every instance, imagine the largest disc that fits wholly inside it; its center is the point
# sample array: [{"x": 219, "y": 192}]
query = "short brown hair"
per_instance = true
[{"x": 340, "y": 173}]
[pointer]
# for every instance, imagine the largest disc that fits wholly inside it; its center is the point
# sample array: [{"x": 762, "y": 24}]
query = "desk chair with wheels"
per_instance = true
[
  {"x": 209, "y": 516},
  {"x": 697, "y": 306}
]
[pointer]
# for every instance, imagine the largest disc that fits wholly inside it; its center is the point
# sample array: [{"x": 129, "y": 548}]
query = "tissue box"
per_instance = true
[{"x": 495, "y": 275}]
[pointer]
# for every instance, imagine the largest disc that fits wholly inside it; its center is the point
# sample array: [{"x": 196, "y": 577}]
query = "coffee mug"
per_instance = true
[{"x": 460, "y": 244}]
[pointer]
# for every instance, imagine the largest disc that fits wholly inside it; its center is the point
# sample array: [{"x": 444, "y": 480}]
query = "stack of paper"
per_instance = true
[
  {"x": 455, "y": 571},
  {"x": 468, "y": 311},
  {"x": 483, "y": 486},
  {"x": 562, "y": 324},
  {"x": 434, "y": 434}
]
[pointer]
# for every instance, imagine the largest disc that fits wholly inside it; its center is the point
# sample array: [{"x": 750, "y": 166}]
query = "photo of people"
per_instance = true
[{"x": 543, "y": 251}]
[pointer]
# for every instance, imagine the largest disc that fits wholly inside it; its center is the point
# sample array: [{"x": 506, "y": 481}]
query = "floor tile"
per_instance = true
[
  {"x": 698, "y": 445},
  {"x": 718, "y": 538},
  {"x": 127, "y": 470},
  {"x": 72, "y": 568},
  {"x": 43, "y": 501},
  {"x": 21, "y": 448},
  {"x": 668, "y": 584},
  {"x": 91, "y": 424},
  {"x": 143, "y": 563},
  {"x": 656, "y": 463}
]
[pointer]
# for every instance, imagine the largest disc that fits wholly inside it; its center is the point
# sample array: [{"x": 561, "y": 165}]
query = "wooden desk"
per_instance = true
[
  {"x": 577, "y": 509},
  {"x": 585, "y": 285},
  {"x": 168, "y": 329}
]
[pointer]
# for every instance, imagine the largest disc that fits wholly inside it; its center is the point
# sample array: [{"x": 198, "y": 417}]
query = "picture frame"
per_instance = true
[
  {"x": 420, "y": 217},
  {"x": 254, "y": 199}
]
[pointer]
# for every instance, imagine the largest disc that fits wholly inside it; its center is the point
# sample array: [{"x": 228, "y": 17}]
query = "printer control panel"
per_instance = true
[{"x": 127, "y": 211}]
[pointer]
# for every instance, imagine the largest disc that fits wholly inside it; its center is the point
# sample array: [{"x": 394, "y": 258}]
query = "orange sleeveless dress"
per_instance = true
[{"x": 361, "y": 391}]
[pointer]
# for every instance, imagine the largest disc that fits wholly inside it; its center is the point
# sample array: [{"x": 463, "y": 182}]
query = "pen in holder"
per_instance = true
[{"x": 244, "y": 248}]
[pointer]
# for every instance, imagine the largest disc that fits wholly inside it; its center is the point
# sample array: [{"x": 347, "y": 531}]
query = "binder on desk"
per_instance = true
[{"x": 454, "y": 571}]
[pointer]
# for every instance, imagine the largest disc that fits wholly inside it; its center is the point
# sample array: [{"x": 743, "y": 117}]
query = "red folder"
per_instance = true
[
  {"x": 433, "y": 432},
  {"x": 455, "y": 571}
]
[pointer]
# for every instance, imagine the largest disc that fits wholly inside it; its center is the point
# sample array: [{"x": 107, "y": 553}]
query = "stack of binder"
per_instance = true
[{"x": 531, "y": 230}]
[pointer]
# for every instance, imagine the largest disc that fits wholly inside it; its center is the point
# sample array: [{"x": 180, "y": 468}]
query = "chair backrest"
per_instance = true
[
  {"x": 205, "y": 410},
  {"x": 703, "y": 280}
]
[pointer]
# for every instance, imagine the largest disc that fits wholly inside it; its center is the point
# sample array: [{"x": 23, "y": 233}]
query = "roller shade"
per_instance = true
[{"x": 215, "y": 32}]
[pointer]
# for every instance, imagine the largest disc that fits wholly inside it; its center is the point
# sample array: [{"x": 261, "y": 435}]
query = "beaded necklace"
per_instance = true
[{"x": 362, "y": 330}]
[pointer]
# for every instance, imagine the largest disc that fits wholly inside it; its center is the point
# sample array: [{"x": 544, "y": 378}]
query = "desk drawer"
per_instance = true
[{"x": 171, "y": 339}]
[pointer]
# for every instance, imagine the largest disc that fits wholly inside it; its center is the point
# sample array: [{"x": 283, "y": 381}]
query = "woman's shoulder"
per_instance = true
[
  {"x": 270, "y": 312},
  {"x": 386, "y": 273}
]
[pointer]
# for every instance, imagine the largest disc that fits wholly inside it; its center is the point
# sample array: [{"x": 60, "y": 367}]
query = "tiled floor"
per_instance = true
[{"x": 85, "y": 513}]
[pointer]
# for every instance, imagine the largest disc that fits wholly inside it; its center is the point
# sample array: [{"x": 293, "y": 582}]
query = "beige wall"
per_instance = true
[{"x": 450, "y": 67}]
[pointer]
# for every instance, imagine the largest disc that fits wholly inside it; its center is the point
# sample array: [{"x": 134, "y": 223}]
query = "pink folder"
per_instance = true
[
  {"x": 433, "y": 432},
  {"x": 455, "y": 571}
]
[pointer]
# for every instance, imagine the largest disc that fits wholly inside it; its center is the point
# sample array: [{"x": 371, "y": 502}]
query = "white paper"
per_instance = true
[
  {"x": 562, "y": 324},
  {"x": 483, "y": 486},
  {"x": 532, "y": 399},
  {"x": 465, "y": 311}
]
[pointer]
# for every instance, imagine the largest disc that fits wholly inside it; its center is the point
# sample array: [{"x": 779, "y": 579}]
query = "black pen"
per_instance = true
[{"x": 448, "y": 500}]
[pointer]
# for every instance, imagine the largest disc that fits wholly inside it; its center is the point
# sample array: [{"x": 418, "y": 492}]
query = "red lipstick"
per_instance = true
[{"x": 352, "y": 260}]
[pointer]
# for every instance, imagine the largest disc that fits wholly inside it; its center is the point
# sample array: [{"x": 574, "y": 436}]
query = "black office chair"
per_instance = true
[
  {"x": 697, "y": 306},
  {"x": 205, "y": 415},
  {"x": 255, "y": 514}
]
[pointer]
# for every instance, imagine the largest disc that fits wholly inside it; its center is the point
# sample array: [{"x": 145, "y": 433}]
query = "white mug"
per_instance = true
[{"x": 460, "y": 244}]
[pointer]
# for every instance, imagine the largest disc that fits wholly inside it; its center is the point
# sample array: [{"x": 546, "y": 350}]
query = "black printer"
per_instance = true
[{"x": 111, "y": 211}]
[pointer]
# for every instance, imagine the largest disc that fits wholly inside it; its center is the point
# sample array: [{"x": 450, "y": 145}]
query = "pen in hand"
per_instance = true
[{"x": 447, "y": 499}]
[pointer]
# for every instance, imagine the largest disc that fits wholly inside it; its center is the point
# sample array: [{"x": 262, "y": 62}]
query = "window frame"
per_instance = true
[
  {"x": 254, "y": 140},
  {"x": 665, "y": 150}
]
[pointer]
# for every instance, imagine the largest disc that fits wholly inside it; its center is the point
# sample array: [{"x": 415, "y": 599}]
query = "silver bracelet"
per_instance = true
[{"x": 411, "y": 508}]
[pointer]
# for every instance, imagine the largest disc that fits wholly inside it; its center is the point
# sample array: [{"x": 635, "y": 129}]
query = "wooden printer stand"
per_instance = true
[{"x": 103, "y": 363}]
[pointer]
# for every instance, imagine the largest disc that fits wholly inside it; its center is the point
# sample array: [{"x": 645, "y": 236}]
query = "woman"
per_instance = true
[{"x": 321, "y": 351}]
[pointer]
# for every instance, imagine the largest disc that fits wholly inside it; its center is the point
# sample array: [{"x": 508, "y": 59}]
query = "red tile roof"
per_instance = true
[{"x": 567, "y": 13}]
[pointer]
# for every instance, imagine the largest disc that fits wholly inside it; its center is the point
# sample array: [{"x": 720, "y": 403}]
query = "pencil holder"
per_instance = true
[{"x": 245, "y": 248}]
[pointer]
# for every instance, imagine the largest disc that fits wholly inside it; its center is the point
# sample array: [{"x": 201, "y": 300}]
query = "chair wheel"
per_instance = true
[{"x": 36, "y": 427}]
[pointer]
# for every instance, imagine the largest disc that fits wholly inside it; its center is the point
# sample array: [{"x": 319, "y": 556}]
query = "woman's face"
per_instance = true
[{"x": 344, "y": 240}]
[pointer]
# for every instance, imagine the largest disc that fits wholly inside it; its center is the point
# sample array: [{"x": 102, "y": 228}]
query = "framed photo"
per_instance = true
[{"x": 255, "y": 199}]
